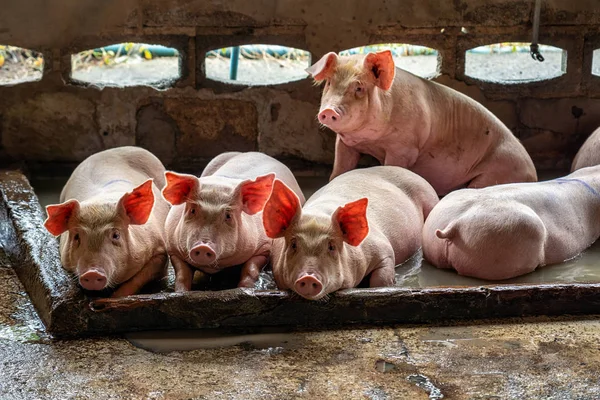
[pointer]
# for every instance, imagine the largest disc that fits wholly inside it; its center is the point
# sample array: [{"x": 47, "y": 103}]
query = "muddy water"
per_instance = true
[{"x": 415, "y": 273}]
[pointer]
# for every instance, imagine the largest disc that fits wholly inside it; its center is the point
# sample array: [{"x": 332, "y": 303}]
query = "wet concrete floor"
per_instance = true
[{"x": 531, "y": 358}]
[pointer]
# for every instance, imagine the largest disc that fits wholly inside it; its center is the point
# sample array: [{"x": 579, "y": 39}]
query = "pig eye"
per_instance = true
[
  {"x": 116, "y": 235},
  {"x": 193, "y": 211},
  {"x": 331, "y": 247},
  {"x": 359, "y": 89},
  {"x": 228, "y": 216},
  {"x": 293, "y": 245},
  {"x": 76, "y": 237}
]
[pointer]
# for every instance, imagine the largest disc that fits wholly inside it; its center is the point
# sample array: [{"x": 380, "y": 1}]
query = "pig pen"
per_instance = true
[{"x": 48, "y": 126}]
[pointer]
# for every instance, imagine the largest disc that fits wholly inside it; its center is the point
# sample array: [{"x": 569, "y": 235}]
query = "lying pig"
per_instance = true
[
  {"x": 216, "y": 219},
  {"x": 363, "y": 222},
  {"x": 589, "y": 154},
  {"x": 509, "y": 230},
  {"x": 111, "y": 221},
  {"x": 446, "y": 137}
]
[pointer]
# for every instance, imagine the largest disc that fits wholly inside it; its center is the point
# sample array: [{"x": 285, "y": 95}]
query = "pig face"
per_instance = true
[
  {"x": 212, "y": 226},
  {"x": 354, "y": 89},
  {"x": 315, "y": 260},
  {"x": 97, "y": 245}
]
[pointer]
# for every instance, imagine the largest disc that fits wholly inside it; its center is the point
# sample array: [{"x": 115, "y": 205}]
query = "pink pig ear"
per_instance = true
[
  {"x": 323, "y": 68},
  {"x": 280, "y": 210},
  {"x": 179, "y": 187},
  {"x": 383, "y": 68},
  {"x": 256, "y": 193},
  {"x": 59, "y": 216},
  {"x": 137, "y": 204},
  {"x": 352, "y": 220}
]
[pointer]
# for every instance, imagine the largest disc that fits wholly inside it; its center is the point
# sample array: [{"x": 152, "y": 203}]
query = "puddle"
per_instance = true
[
  {"x": 167, "y": 341},
  {"x": 383, "y": 366},
  {"x": 19, "y": 333},
  {"x": 424, "y": 383},
  {"x": 414, "y": 273}
]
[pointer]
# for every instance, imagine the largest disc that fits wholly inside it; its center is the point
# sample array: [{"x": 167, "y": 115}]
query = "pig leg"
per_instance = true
[
  {"x": 153, "y": 270},
  {"x": 384, "y": 275},
  {"x": 501, "y": 168},
  {"x": 251, "y": 270},
  {"x": 183, "y": 274},
  {"x": 346, "y": 158}
]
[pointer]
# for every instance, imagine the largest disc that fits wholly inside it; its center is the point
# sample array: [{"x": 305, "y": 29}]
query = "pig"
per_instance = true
[
  {"x": 505, "y": 231},
  {"x": 362, "y": 223},
  {"x": 400, "y": 119},
  {"x": 111, "y": 221},
  {"x": 216, "y": 220},
  {"x": 589, "y": 154}
]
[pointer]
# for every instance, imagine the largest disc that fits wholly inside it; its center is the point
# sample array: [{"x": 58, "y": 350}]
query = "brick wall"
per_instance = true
[{"x": 60, "y": 122}]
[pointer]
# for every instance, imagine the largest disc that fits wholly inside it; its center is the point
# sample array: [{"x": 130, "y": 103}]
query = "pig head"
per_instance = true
[
  {"x": 210, "y": 224},
  {"x": 355, "y": 93},
  {"x": 97, "y": 243},
  {"x": 310, "y": 255}
]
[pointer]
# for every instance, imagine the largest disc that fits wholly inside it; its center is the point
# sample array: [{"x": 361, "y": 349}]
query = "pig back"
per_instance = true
[
  {"x": 398, "y": 203},
  {"x": 117, "y": 171},
  {"x": 250, "y": 165}
]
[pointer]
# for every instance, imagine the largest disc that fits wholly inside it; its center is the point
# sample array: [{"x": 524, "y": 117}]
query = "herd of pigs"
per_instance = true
[{"x": 122, "y": 216}]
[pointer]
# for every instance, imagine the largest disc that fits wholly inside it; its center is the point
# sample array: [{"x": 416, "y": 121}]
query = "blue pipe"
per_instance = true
[{"x": 233, "y": 65}]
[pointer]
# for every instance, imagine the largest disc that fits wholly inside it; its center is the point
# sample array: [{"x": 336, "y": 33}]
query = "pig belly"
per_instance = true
[{"x": 445, "y": 174}]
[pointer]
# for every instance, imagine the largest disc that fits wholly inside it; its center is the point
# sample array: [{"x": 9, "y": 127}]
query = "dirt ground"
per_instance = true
[{"x": 511, "y": 67}]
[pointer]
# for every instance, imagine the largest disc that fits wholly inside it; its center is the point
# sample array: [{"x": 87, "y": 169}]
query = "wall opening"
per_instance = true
[
  {"x": 127, "y": 64},
  {"x": 596, "y": 62},
  {"x": 18, "y": 65},
  {"x": 511, "y": 63},
  {"x": 257, "y": 64},
  {"x": 419, "y": 60}
]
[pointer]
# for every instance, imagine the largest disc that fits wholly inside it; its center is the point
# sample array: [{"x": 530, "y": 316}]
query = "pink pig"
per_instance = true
[
  {"x": 400, "y": 119},
  {"x": 111, "y": 221},
  {"x": 589, "y": 154},
  {"x": 216, "y": 220},
  {"x": 363, "y": 222},
  {"x": 509, "y": 230}
]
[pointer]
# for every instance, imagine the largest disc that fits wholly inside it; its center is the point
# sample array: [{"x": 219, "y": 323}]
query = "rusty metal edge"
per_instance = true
[{"x": 67, "y": 313}]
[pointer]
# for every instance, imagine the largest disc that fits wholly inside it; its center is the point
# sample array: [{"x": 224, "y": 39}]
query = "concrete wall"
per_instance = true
[{"x": 57, "y": 121}]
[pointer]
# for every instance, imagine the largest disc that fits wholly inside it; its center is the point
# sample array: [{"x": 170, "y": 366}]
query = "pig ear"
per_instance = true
[
  {"x": 382, "y": 66},
  {"x": 352, "y": 220},
  {"x": 179, "y": 187},
  {"x": 137, "y": 204},
  {"x": 255, "y": 193},
  {"x": 280, "y": 210},
  {"x": 59, "y": 216},
  {"x": 323, "y": 68}
]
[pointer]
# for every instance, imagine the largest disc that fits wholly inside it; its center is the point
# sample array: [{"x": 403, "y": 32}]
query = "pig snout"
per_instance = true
[
  {"x": 94, "y": 279},
  {"x": 330, "y": 116},
  {"x": 308, "y": 286},
  {"x": 203, "y": 253}
]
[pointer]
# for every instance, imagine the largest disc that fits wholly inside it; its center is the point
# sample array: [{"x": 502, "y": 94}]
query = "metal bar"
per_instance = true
[{"x": 233, "y": 66}]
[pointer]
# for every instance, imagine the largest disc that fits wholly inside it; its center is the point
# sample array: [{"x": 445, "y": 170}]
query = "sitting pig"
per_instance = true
[
  {"x": 111, "y": 221},
  {"x": 216, "y": 220},
  {"x": 589, "y": 154},
  {"x": 509, "y": 230},
  {"x": 400, "y": 119},
  {"x": 363, "y": 222}
]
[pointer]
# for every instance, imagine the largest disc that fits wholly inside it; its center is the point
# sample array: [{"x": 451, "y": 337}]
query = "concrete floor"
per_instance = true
[{"x": 520, "y": 359}]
